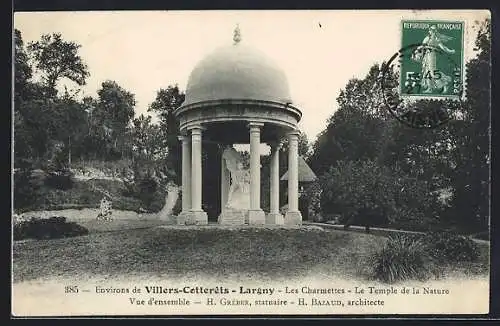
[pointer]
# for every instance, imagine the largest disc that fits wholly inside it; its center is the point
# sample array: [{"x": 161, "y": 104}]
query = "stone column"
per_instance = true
[
  {"x": 186, "y": 179},
  {"x": 255, "y": 214},
  {"x": 274, "y": 216},
  {"x": 293, "y": 215},
  {"x": 225, "y": 179},
  {"x": 198, "y": 216}
]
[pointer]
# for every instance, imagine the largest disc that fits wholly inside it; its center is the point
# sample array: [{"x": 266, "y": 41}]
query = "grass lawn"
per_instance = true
[
  {"x": 259, "y": 253},
  {"x": 214, "y": 252}
]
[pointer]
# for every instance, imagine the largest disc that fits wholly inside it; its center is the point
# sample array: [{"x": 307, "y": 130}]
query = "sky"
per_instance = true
[{"x": 319, "y": 51}]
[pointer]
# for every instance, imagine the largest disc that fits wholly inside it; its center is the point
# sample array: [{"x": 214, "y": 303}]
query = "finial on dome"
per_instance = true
[{"x": 237, "y": 34}]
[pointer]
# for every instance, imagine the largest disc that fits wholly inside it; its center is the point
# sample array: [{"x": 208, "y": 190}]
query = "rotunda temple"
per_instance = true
[{"x": 237, "y": 95}]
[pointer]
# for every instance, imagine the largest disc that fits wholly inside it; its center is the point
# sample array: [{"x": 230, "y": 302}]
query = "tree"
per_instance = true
[
  {"x": 367, "y": 193},
  {"x": 55, "y": 59},
  {"x": 166, "y": 102},
  {"x": 147, "y": 142},
  {"x": 356, "y": 129},
  {"x": 115, "y": 108},
  {"x": 472, "y": 136},
  {"x": 22, "y": 69}
]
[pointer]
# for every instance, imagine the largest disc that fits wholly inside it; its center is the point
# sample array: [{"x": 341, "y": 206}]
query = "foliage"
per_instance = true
[
  {"x": 22, "y": 69},
  {"x": 148, "y": 191},
  {"x": 55, "y": 58},
  {"x": 420, "y": 163},
  {"x": 472, "y": 139},
  {"x": 451, "y": 247},
  {"x": 367, "y": 193},
  {"x": 166, "y": 102},
  {"x": 147, "y": 140},
  {"x": 51, "y": 228},
  {"x": 402, "y": 258},
  {"x": 362, "y": 192},
  {"x": 26, "y": 186},
  {"x": 115, "y": 108},
  {"x": 62, "y": 179},
  {"x": 312, "y": 193},
  {"x": 356, "y": 128}
]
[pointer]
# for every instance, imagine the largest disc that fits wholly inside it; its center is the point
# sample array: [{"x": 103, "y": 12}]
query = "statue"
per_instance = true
[
  {"x": 426, "y": 54},
  {"x": 239, "y": 190}
]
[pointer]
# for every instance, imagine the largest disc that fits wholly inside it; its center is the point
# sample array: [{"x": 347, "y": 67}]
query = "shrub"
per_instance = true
[
  {"x": 26, "y": 186},
  {"x": 51, "y": 228},
  {"x": 402, "y": 258},
  {"x": 60, "y": 179},
  {"x": 451, "y": 247}
]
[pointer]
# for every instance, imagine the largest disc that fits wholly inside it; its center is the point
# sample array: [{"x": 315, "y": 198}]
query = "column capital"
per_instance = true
[
  {"x": 255, "y": 125},
  {"x": 275, "y": 145},
  {"x": 293, "y": 133},
  {"x": 196, "y": 128},
  {"x": 183, "y": 137}
]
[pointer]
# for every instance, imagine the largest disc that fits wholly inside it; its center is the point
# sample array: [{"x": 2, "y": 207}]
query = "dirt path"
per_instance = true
[{"x": 91, "y": 214}]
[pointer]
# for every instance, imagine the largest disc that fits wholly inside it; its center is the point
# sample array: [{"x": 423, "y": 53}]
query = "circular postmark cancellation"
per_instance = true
[{"x": 418, "y": 98}]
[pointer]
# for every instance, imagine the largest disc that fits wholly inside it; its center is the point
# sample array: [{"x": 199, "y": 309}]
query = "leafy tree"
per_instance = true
[
  {"x": 471, "y": 135},
  {"x": 115, "y": 109},
  {"x": 356, "y": 129},
  {"x": 22, "y": 69},
  {"x": 55, "y": 59},
  {"x": 147, "y": 141},
  {"x": 167, "y": 100},
  {"x": 367, "y": 193}
]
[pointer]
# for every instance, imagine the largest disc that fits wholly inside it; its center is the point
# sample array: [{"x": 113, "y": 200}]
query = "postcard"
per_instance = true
[{"x": 177, "y": 163}]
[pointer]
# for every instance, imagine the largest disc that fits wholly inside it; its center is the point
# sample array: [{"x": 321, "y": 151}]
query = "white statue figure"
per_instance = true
[
  {"x": 239, "y": 190},
  {"x": 426, "y": 54},
  {"x": 170, "y": 200}
]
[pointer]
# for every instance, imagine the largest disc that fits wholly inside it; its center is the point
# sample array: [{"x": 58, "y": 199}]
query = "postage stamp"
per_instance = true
[
  {"x": 430, "y": 69},
  {"x": 435, "y": 64}
]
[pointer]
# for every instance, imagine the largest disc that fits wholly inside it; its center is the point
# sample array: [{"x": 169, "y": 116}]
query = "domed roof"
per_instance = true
[{"x": 237, "y": 72}]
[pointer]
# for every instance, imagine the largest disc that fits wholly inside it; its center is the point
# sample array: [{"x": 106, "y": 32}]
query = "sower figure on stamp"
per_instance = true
[{"x": 432, "y": 78}]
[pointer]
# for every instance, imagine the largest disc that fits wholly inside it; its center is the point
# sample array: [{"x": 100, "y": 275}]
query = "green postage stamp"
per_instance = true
[{"x": 435, "y": 64}]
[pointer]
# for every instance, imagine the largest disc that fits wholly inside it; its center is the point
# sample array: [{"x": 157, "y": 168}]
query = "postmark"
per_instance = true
[{"x": 423, "y": 82}]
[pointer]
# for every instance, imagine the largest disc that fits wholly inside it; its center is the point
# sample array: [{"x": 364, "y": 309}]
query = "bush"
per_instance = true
[
  {"x": 26, "y": 186},
  {"x": 62, "y": 179},
  {"x": 370, "y": 194},
  {"x": 148, "y": 191},
  {"x": 402, "y": 258},
  {"x": 450, "y": 247},
  {"x": 51, "y": 228}
]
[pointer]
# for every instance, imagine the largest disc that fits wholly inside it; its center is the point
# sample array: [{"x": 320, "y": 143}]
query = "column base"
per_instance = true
[
  {"x": 256, "y": 216},
  {"x": 233, "y": 217},
  {"x": 192, "y": 218},
  {"x": 198, "y": 218},
  {"x": 275, "y": 218},
  {"x": 293, "y": 218},
  {"x": 182, "y": 217}
]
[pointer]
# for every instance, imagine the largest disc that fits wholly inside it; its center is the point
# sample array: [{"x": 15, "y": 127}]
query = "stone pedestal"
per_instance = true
[
  {"x": 275, "y": 218},
  {"x": 182, "y": 218},
  {"x": 256, "y": 216},
  {"x": 196, "y": 218},
  {"x": 233, "y": 217},
  {"x": 293, "y": 218}
]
